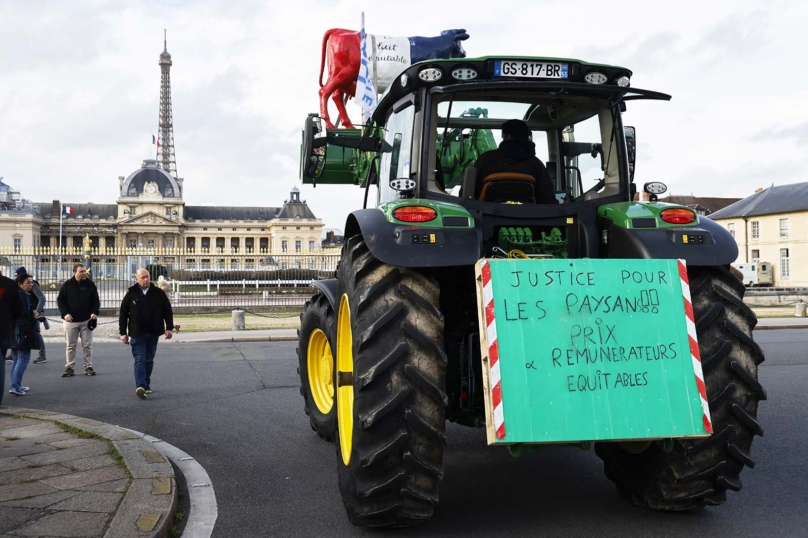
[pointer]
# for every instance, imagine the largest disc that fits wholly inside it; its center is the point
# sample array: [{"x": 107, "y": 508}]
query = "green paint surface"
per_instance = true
[
  {"x": 621, "y": 213},
  {"x": 588, "y": 353}
]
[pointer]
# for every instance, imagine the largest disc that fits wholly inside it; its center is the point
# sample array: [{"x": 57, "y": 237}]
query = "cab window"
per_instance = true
[{"x": 395, "y": 161}]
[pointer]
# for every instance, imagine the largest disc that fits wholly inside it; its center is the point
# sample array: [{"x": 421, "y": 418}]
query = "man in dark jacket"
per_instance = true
[
  {"x": 146, "y": 311},
  {"x": 39, "y": 314},
  {"x": 516, "y": 153},
  {"x": 79, "y": 305},
  {"x": 11, "y": 309}
]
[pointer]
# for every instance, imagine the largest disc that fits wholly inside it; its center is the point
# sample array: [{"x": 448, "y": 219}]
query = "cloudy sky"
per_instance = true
[{"x": 79, "y": 87}]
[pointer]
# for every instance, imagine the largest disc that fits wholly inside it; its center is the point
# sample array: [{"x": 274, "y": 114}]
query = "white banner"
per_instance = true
[
  {"x": 392, "y": 56},
  {"x": 366, "y": 94}
]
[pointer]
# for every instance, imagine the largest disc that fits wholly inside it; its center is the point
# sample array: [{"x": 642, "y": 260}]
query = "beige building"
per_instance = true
[
  {"x": 772, "y": 226},
  {"x": 150, "y": 213}
]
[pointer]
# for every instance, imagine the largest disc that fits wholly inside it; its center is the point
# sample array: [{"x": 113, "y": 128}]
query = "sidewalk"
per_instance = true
[{"x": 62, "y": 475}]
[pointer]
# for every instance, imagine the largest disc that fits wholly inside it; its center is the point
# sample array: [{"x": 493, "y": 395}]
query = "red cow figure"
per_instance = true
[{"x": 342, "y": 50}]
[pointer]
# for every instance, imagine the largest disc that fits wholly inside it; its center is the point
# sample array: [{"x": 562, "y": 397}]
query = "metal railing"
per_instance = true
[{"x": 196, "y": 280}]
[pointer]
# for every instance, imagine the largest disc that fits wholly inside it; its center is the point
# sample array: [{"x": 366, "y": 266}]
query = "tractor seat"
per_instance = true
[{"x": 508, "y": 187}]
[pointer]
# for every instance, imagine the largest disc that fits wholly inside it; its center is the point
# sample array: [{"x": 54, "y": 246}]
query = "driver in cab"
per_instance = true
[{"x": 516, "y": 154}]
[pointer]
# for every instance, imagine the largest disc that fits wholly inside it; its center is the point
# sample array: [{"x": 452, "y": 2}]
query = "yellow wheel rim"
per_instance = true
[
  {"x": 320, "y": 364},
  {"x": 345, "y": 394}
]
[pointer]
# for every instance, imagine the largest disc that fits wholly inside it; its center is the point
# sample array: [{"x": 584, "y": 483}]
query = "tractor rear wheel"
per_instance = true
[
  {"x": 699, "y": 472},
  {"x": 316, "y": 365},
  {"x": 391, "y": 404}
]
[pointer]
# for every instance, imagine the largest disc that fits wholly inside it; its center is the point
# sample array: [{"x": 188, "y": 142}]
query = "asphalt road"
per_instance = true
[{"x": 237, "y": 410}]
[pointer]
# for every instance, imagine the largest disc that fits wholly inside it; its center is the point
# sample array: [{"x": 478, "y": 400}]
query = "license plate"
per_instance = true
[{"x": 531, "y": 69}]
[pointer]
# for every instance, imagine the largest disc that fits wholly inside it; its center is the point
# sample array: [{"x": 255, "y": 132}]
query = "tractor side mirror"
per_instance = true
[
  {"x": 631, "y": 147},
  {"x": 312, "y": 158}
]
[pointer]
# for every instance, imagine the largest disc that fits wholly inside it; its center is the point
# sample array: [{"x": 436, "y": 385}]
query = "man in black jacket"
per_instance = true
[
  {"x": 79, "y": 304},
  {"x": 146, "y": 311},
  {"x": 516, "y": 153},
  {"x": 10, "y": 311}
]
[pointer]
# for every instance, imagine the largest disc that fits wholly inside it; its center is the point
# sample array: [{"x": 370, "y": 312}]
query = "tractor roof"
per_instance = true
[{"x": 510, "y": 72}]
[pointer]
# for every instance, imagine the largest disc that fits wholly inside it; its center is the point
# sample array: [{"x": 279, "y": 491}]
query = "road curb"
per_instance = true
[
  {"x": 774, "y": 327},
  {"x": 235, "y": 339},
  {"x": 147, "y": 510}
]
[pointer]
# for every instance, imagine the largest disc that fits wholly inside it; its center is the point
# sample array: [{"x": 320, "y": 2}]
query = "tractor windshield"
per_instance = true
[{"x": 569, "y": 132}]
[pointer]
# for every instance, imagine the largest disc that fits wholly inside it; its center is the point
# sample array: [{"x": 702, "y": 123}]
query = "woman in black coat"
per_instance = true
[{"x": 25, "y": 335}]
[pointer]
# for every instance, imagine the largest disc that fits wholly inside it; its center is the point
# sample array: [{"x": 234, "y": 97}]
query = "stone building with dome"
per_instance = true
[{"x": 150, "y": 213}]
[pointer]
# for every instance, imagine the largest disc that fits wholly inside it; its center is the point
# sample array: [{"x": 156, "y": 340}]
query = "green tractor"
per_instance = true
[{"x": 389, "y": 350}]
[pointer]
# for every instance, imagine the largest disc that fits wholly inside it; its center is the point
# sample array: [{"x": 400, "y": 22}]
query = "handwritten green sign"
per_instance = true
[{"x": 578, "y": 350}]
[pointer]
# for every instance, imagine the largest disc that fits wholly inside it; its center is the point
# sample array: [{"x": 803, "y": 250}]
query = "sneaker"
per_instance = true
[
  {"x": 68, "y": 372},
  {"x": 17, "y": 392},
  {"x": 40, "y": 360},
  {"x": 148, "y": 391},
  {"x": 89, "y": 371},
  {"x": 141, "y": 393},
  {"x": 26, "y": 389}
]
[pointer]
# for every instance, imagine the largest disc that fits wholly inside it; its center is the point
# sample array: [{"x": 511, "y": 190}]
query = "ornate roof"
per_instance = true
[
  {"x": 774, "y": 200},
  {"x": 150, "y": 172},
  {"x": 203, "y": 212}
]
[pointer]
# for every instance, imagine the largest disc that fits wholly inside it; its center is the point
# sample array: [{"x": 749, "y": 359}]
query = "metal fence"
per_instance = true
[{"x": 198, "y": 281}]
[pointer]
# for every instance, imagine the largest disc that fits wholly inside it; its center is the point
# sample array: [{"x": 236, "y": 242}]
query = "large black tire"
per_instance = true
[
  {"x": 698, "y": 473},
  {"x": 318, "y": 314},
  {"x": 399, "y": 409}
]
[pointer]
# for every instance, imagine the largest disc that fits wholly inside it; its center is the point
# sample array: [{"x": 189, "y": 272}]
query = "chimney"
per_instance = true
[
  {"x": 55, "y": 208},
  {"x": 329, "y": 236},
  {"x": 758, "y": 190}
]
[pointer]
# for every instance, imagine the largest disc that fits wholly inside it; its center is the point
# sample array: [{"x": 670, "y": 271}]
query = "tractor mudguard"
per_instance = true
[
  {"x": 329, "y": 289},
  {"x": 407, "y": 245},
  {"x": 707, "y": 244}
]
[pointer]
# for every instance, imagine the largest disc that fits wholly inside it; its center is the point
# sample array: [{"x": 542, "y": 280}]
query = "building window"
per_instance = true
[
  {"x": 150, "y": 243},
  {"x": 283, "y": 245},
  {"x": 204, "y": 229},
  {"x": 235, "y": 229},
  {"x": 249, "y": 229},
  {"x": 132, "y": 243},
  {"x": 132, "y": 191},
  {"x": 17, "y": 243},
  {"x": 784, "y": 262},
  {"x": 283, "y": 227},
  {"x": 169, "y": 191},
  {"x": 784, "y": 227},
  {"x": 731, "y": 228},
  {"x": 169, "y": 243},
  {"x": 263, "y": 229},
  {"x": 218, "y": 229},
  {"x": 297, "y": 227},
  {"x": 311, "y": 245},
  {"x": 755, "y": 229},
  {"x": 755, "y": 255},
  {"x": 297, "y": 245}
]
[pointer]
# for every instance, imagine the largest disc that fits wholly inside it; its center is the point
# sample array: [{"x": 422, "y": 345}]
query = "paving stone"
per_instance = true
[
  {"x": 116, "y": 486},
  {"x": 147, "y": 522},
  {"x": 11, "y": 517},
  {"x": 139, "y": 501},
  {"x": 34, "y": 430},
  {"x": 70, "y": 443},
  {"x": 30, "y": 474},
  {"x": 90, "y": 501},
  {"x": 152, "y": 456},
  {"x": 50, "y": 438},
  {"x": 42, "y": 501},
  {"x": 89, "y": 422},
  {"x": 11, "y": 422},
  {"x": 88, "y": 464},
  {"x": 57, "y": 456},
  {"x": 86, "y": 478},
  {"x": 10, "y": 464},
  {"x": 67, "y": 525},
  {"x": 161, "y": 486},
  {"x": 22, "y": 448},
  {"x": 21, "y": 491},
  {"x": 131, "y": 450}
]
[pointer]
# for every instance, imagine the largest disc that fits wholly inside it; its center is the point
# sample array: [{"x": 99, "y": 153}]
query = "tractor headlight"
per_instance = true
[
  {"x": 430, "y": 74},
  {"x": 595, "y": 78},
  {"x": 623, "y": 81}
]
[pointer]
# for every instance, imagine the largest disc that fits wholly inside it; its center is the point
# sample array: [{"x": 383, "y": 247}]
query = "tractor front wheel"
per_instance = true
[
  {"x": 390, "y": 378},
  {"x": 699, "y": 472},
  {"x": 316, "y": 365}
]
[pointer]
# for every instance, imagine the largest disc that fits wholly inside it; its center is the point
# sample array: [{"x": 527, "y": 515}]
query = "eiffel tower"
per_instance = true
[{"x": 165, "y": 149}]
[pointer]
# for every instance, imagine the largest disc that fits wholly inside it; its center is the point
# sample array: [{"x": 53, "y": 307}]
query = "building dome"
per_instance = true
[{"x": 150, "y": 172}]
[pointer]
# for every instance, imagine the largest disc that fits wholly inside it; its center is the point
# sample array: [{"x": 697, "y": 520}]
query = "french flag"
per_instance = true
[{"x": 67, "y": 210}]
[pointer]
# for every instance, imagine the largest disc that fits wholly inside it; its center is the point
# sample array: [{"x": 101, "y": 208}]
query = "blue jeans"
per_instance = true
[
  {"x": 143, "y": 349},
  {"x": 19, "y": 358},
  {"x": 3, "y": 349}
]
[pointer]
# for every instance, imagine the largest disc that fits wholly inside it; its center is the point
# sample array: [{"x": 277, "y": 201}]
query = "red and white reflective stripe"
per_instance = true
[
  {"x": 493, "y": 350},
  {"x": 694, "y": 347}
]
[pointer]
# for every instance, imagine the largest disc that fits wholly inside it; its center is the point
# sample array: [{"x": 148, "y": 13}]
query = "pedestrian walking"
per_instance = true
[
  {"x": 26, "y": 328},
  {"x": 10, "y": 311},
  {"x": 145, "y": 314},
  {"x": 40, "y": 315},
  {"x": 79, "y": 305}
]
